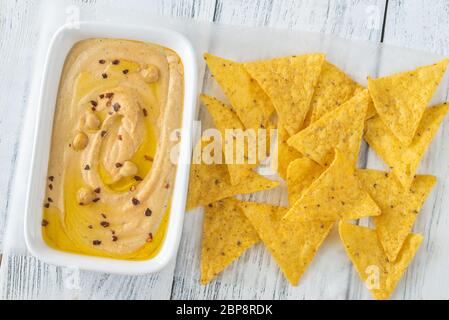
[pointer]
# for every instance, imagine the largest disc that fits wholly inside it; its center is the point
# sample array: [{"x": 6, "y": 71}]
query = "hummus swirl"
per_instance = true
[{"x": 111, "y": 168}]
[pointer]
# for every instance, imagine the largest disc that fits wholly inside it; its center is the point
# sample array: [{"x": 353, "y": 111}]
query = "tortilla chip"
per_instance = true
[
  {"x": 285, "y": 153},
  {"x": 225, "y": 118},
  {"x": 290, "y": 83},
  {"x": 292, "y": 244},
  {"x": 399, "y": 206},
  {"x": 404, "y": 161},
  {"x": 250, "y": 102},
  {"x": 364, "y": 250},
  {"x": 402, "y": 98},
  {"x": 336, "y": 194},
  {"x": 227, "y": 233},
  {"x": 341, "y": 128},
  {"x": 210, "y": 183},
  {"x": 334, "y": 87},
  {"x": 300, "y": 175}
]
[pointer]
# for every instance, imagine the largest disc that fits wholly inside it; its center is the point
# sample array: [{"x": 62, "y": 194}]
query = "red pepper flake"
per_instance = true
[
  {"x": 87, "y": 167},
  {"x": 148, "y": 158},
  {"x": 118, "y": 165},
  {"x": 114, "y": 238},
  {"x": 94, "y": 109},
  {"x": 115, "y": 62},
  {"x": 125, "y": 71},
  {"x": 103, "y": 133},
  {"x": 50, "y": 199},
  {"x": 47, "y": 205},
  {"x": 167, "y": 186},
  {"x": 148, "y": 212},
  {"x": 50, "y": 186},
  {"x": 150, "y": 237},
  {"x": 94, "y": 103},
  {"x": 109, "y": 95},
  {"x": 97, "y": 190},
  {"x": 116, "y": 107},
  {"x": 104, "y": 75},
  {"x": 81, "y": 203},
  {"x": 51, "y": 178},
  {"x": 120, "y": 137},
  {"x": 145, "y": 112},
  {"x": 96, "y": 242},
  {"x": 103, "y": 215},
  {"x": 135, "y": 201},
  {"x": 44, "y": 223},
  {"x": 104, "y": 224},
  {"x": 90, "y": 226},
  {"x": 96, "y": 200},
  {"x": 137, "y": 178},
  {"x": 102, "y": 61},
  {"x": 101, "y": 96}
]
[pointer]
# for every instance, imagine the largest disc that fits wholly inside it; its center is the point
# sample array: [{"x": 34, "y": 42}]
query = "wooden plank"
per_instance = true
[
  {"x": 16, "y": 49},
  {"x": 419, "y": 24},
  {"x": 255, "y": 275}
]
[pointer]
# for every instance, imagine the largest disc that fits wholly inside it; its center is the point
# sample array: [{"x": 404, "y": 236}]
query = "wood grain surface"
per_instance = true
[{"x": 417, "y": 24}]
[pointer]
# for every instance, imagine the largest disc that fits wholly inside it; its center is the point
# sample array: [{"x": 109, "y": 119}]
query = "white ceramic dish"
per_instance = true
[{"x": 61, "y": 43}]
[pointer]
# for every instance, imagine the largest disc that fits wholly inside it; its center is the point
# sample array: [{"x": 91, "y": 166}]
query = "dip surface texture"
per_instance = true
[{"x": 112, "y": 163}]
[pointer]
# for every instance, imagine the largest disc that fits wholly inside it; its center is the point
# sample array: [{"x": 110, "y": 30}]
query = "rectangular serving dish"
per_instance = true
[{"x": 60, "y": 45}]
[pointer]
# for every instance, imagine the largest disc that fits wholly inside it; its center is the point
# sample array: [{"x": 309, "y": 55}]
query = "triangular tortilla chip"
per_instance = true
[
  {"x": 290, "y": 83},
  {"x": 402, "y": 98},
  {"x": 210, "y": 183},
  {"x": 226, "y": 120},
  {"x": 250, "y": 102},
  {"x": 292, "y": 244},
  {"x": 399, "y": 206},
  {"x": 300, "y": 175},
  {"x": 336, "y": 194},
  {"x": 404, "y": 161},
  {"x": 285, "y": 153},
  {"x": 227, "y": 233},
  {"x": 364, "y": 250},
  {"x": 341, "y": 128},
  {"x": 334, "y": 88}
]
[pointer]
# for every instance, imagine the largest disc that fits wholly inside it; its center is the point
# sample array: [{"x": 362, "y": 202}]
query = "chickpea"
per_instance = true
[
  {"x": 128, "y": 169},
  {"x": 92, "y": 122},
  {"x": 80, "y": 141},
  {"x": 150, "y": 74},
  {"x": 85, "y": 195}
]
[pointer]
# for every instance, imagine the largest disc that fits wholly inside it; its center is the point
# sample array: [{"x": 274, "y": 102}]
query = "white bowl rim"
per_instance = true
[{"x": 34, "y": 241}]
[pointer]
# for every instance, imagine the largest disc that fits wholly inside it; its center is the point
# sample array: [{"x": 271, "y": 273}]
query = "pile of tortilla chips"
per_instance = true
[{"x": 321, "y": 116}]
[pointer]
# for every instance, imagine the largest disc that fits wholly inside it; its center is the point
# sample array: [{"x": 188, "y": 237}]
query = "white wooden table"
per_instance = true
[{"x": 418, "y": 24}]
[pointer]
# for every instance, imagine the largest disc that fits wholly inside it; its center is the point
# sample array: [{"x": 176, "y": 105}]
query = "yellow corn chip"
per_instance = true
[
  {"x": 226, "y": 119},
  {"x": 399, "y": 206},
  {"x": 336, "y": 194},
  {"x": 292, "y": 244},
  {"x": 334, "y": 87},
  {"x": 300, "y": 175},
  {"x": 402, "y": 98},
  {"x": 250, "y": 102},
  {"x": 404, "y": 161},
  {"x": 341, "y": 128},
  {"x": 227, "y": 233},
  {"x": 289, "y": 82},
  {"x": 364, "y": 250},
  {"x": 209, "y": 183},
  {"x": 285, "y": 153}
]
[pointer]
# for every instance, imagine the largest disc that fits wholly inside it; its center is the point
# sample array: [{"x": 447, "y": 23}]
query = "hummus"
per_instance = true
[{"x": 111, "y": 172}]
